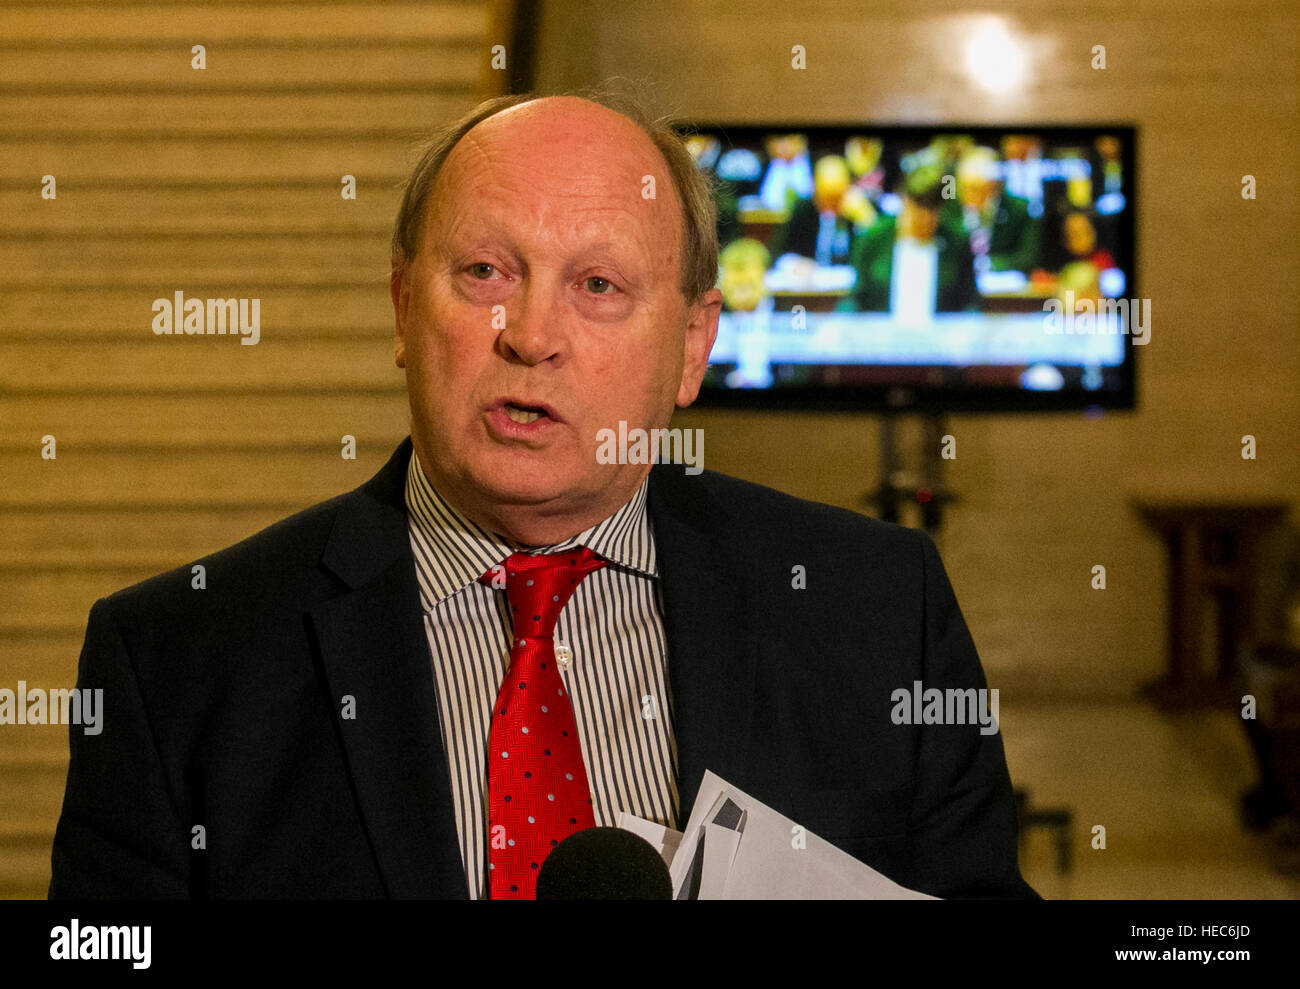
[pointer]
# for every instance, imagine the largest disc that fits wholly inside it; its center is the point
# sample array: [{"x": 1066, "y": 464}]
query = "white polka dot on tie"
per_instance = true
[
  {"x": 524, "y": 730},
  {"x": 532, "y": 820},
  {"x": 568, "y": 776},
  {"x": 550, "y": 796},
  {"x": 511, "y": 843},
  {"x": 505, "y": 755},
  {"x": 543, "y": 708},
  {"x": 530, "y": 583}
]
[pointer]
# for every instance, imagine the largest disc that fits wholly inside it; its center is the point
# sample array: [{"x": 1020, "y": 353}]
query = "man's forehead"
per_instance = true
[
  {"x": 561, "y": 174},
  {"x": 527, "y": 167},
  {"x": 488, "y": 204},
  {"x": 568, "y": 154},
  {"x": 563, "y": 121},
  {"x": 615, "y": 231}
]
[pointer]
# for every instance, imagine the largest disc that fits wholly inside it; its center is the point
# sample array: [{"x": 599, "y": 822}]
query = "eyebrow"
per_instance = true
[{"x": 477, "y": 227}]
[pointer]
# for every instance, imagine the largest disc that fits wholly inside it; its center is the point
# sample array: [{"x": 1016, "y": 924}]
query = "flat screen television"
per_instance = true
[{"x": 946, "y": 268}]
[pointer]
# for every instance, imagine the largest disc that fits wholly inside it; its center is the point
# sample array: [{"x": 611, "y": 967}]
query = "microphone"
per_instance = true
[{"x": 604, "y": 864}]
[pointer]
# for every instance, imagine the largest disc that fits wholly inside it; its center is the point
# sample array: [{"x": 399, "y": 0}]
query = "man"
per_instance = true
[
  {"x": 742, "y": 281},
  {"x": 822, "y": 226},
  {"x": 336, "y": 715},
  {"x": 1004, "y": 233},
  {"x": 913, "y": 265}
]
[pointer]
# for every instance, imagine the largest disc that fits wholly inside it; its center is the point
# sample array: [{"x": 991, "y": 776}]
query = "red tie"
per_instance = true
[{"x": 538, "y": 793}]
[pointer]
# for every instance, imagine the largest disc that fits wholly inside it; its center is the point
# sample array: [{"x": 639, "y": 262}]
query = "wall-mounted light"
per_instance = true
[{"x": 995, "y": 58}]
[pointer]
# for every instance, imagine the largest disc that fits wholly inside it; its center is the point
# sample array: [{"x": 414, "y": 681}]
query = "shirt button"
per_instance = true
[{"x": 563, "y": 656}]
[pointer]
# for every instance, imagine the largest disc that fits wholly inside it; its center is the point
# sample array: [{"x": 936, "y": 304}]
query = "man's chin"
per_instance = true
[{"x": 524, "y": 481}]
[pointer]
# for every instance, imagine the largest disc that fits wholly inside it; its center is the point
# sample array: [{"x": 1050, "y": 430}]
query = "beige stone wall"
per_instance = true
[
  {"x": 221, "y": 182},
  {"x": 1212, "y": 88}
]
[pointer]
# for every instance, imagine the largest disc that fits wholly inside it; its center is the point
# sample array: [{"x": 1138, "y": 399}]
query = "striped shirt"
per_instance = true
[{"x": 610, "y": 649}]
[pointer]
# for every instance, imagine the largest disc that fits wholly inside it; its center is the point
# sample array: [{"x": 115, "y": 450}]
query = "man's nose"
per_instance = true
[{"x": 534, "y": 327}]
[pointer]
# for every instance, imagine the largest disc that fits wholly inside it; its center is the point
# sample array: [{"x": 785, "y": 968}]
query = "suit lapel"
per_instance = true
[
  {"x": 709, "y": 622},
  {"x": 372, "y": 646}
]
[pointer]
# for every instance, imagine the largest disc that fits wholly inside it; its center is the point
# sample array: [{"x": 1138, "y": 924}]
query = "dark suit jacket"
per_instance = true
[
  {"x": 222, "y": 706},
  {"x": 872, "y": 257},
  {"x": 799, "y": 234},
  {"x": 1015, "y": 241}
]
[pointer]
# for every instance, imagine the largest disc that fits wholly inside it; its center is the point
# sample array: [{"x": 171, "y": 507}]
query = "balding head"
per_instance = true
[
  {"x": 545, "y": 265},
  {"x": 568, "y": 169}
]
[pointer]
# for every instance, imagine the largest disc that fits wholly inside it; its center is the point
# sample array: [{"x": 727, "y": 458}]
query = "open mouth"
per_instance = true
[{"x": 523, "y": 414}]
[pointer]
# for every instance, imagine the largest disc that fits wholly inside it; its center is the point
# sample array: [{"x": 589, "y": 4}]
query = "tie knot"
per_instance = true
[{"x": 540, "y": 585}]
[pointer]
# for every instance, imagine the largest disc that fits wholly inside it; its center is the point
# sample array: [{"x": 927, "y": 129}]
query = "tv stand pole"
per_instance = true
[{"x": 923, "y": 486}]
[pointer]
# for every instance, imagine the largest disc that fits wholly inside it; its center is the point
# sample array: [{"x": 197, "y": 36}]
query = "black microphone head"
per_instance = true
[{"x": 604, "y": 864}]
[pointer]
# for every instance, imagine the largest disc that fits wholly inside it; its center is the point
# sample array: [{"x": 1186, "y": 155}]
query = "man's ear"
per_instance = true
[
  {"x": 399, "y": 288},
  {"x": 701, "y": 331}
]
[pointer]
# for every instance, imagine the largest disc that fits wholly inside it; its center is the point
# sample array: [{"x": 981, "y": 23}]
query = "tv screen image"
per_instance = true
[{"x": 955, "y": 268}]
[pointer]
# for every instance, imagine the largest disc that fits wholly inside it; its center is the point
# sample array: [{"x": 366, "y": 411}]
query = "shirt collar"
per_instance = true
[{"x": 452, "y": 552}]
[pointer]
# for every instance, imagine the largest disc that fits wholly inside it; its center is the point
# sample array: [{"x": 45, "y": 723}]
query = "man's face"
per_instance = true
[
  {"x": 1080, "y": 237},
  {"x": 977, "y": 179},
  {"x": 917, "y": 222},
  {"x": 743, "y": 285},
  {"x": 545, "y": 277},
  {"x": 830, "y": 180}
]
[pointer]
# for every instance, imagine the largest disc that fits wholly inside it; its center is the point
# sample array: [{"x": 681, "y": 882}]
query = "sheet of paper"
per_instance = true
[
  {"x": 720, "y": 846},
  {"x": 665, "y": 840},
  {"x": 687, "y": 863},
  {"x": 770, "y": 857}
]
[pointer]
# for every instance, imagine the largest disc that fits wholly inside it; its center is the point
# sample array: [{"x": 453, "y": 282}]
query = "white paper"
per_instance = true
[
  {"x": 763, "y": 858},
  {"x": 665, "y": 840}
]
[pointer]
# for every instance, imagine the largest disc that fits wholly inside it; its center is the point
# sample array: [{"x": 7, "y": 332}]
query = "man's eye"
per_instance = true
[
  {"x": 600, "y": 286},
  {"x": 481, "y": 270}
]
